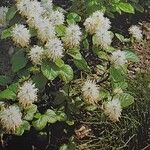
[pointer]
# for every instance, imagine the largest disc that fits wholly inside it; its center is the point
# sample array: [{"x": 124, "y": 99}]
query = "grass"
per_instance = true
[{"x": 132, "y": 132}]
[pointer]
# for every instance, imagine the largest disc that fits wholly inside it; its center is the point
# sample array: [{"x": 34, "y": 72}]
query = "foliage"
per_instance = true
[
  {"x": 110, "y": 7},
  {"x": 62, "y": 69}
]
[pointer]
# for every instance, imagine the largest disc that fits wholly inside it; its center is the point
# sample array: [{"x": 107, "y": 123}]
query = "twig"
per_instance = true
[{"x": 125, "y": 145}]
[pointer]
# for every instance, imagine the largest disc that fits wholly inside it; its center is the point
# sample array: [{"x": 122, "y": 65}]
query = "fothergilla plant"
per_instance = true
[{"x": 60, "y": 66}]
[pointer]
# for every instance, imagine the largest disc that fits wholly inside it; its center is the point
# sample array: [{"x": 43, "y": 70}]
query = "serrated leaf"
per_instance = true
[
  {"x": 66, "y": 73},
  {"x": 7, "y": 94},
  {"x": 19, "y": 61},
  {"x": 126, "y": 7},
  {"x": 75, "y": 53},
  {"x": 50, "y": 70},
  {"x": 126, "y": 100},
  {"x": 51, "y": 116},
  {"x": 40, "y": 123},
  {"x": 61, "y": 116},
  {"x": 59, "y": 63},
  {"x": 130, "y": 56},
  {"x": 123, "y": 85},
  {"x": 102, "y": 55},
  {"x": 40, "y": 81},
  {"x": 24, "y": 126},
  {"x": 60, "y": 30},
  {"x": 117, "y": 74},
  {"x": 10, "y": 93},
  {"x": 74, "y": 16},
  {"x": 6, "y": 33},
  {"x": 14, "y": 87},
  {"x": 121, "y": 38},
  {"x": 82, "y": 64},
  {"x": 29, "y": 112},
  {"x": 64, "y": 147}
]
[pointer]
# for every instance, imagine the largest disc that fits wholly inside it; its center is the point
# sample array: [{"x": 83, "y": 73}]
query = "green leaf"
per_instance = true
[
  {"x": 126, "y": 7},
  {"x": 91, "y": 108},
  {"x": 40, "y": 123},
  {"x": 126, "y": 100},
  {"x": 51, "y": 116},
  {"x": 121, "y": 38},
  {"x": 50, "y": 70},
  {"x": 24, "y": 126},
  {"x": 82, "y": 64},
  {"x": 61, "y": 116},
  {"x": 14, "y": 87},
  {"x": 29, "y": 112},
  {"x": 130, "y": 56},
  {"x": 60, "y": 30},
  {"x": 11, "y": 13},
  {"x": 40, "y": 81},
  {"x": 59, "y": 63},
  {"x": 19, "y": 61},
  {"x": 64, "y": 147},
  {"x": 138, "y": 7},
  {"x": 75, "y": 53},
  {"x": 6, "y": 33},
  {"x": 66, "y": 73},
  {"x": 4, "y": 80},
  {"x": 74, "y": 16},
  {"x": 7, "y": 94},
  {"x": 117, "y": 74},
  {"x": 102, "y": 55},
  {"x": 123, "y": 85},
  {"x": 10, "y": 93}
]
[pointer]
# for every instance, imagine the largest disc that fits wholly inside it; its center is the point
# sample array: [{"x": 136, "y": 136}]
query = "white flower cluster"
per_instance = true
[
  {"x": 42, "y": 17},
  {"x": 99, "y": 25},
  {"x": 36, "y": 54},
  {"x": 136, "y": 32},
  {"x": 21, "y": 35},
  {"x": 119, "y": 57},
  {"x": 113, "y": 109},
  {"x": 10, "y": 119},
  {"x": 27, "y": 94},
  {"x": 90, "y": 92},
  {"x": 3, "y": 12},
  {"x": 54, "y": 49},
  {"x": 72, "y": 37}
]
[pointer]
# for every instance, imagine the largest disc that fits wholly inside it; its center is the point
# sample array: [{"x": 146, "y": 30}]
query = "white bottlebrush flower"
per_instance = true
[
  {"x": 136, "y": 32},
  {"x": 54, "y": 49},
  {"x": 36, "y": 54},
  {"x": 21, "y": 35},
  {"x": 23, "y": 6},
  {"x": 113, "y": 110},
  {"x": 90, "y": 92},
  {"x": 45, "y": 30},
  {"x": 56, "y": 18},
  {"x": 103, "y": 38},
  {"x": 3, "y": 12},
  {"x": 35, "y": 9},
  {"x": 10, "y": 119},
  {"x": 47, "y": 5},
  {"x": 72, "y": 36},
  {"x": 27, "y": 94},
  {"x": 96, "y": 22},
  {"x": 29, "y": 8},
  {"x": 119, "y": 57}
]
